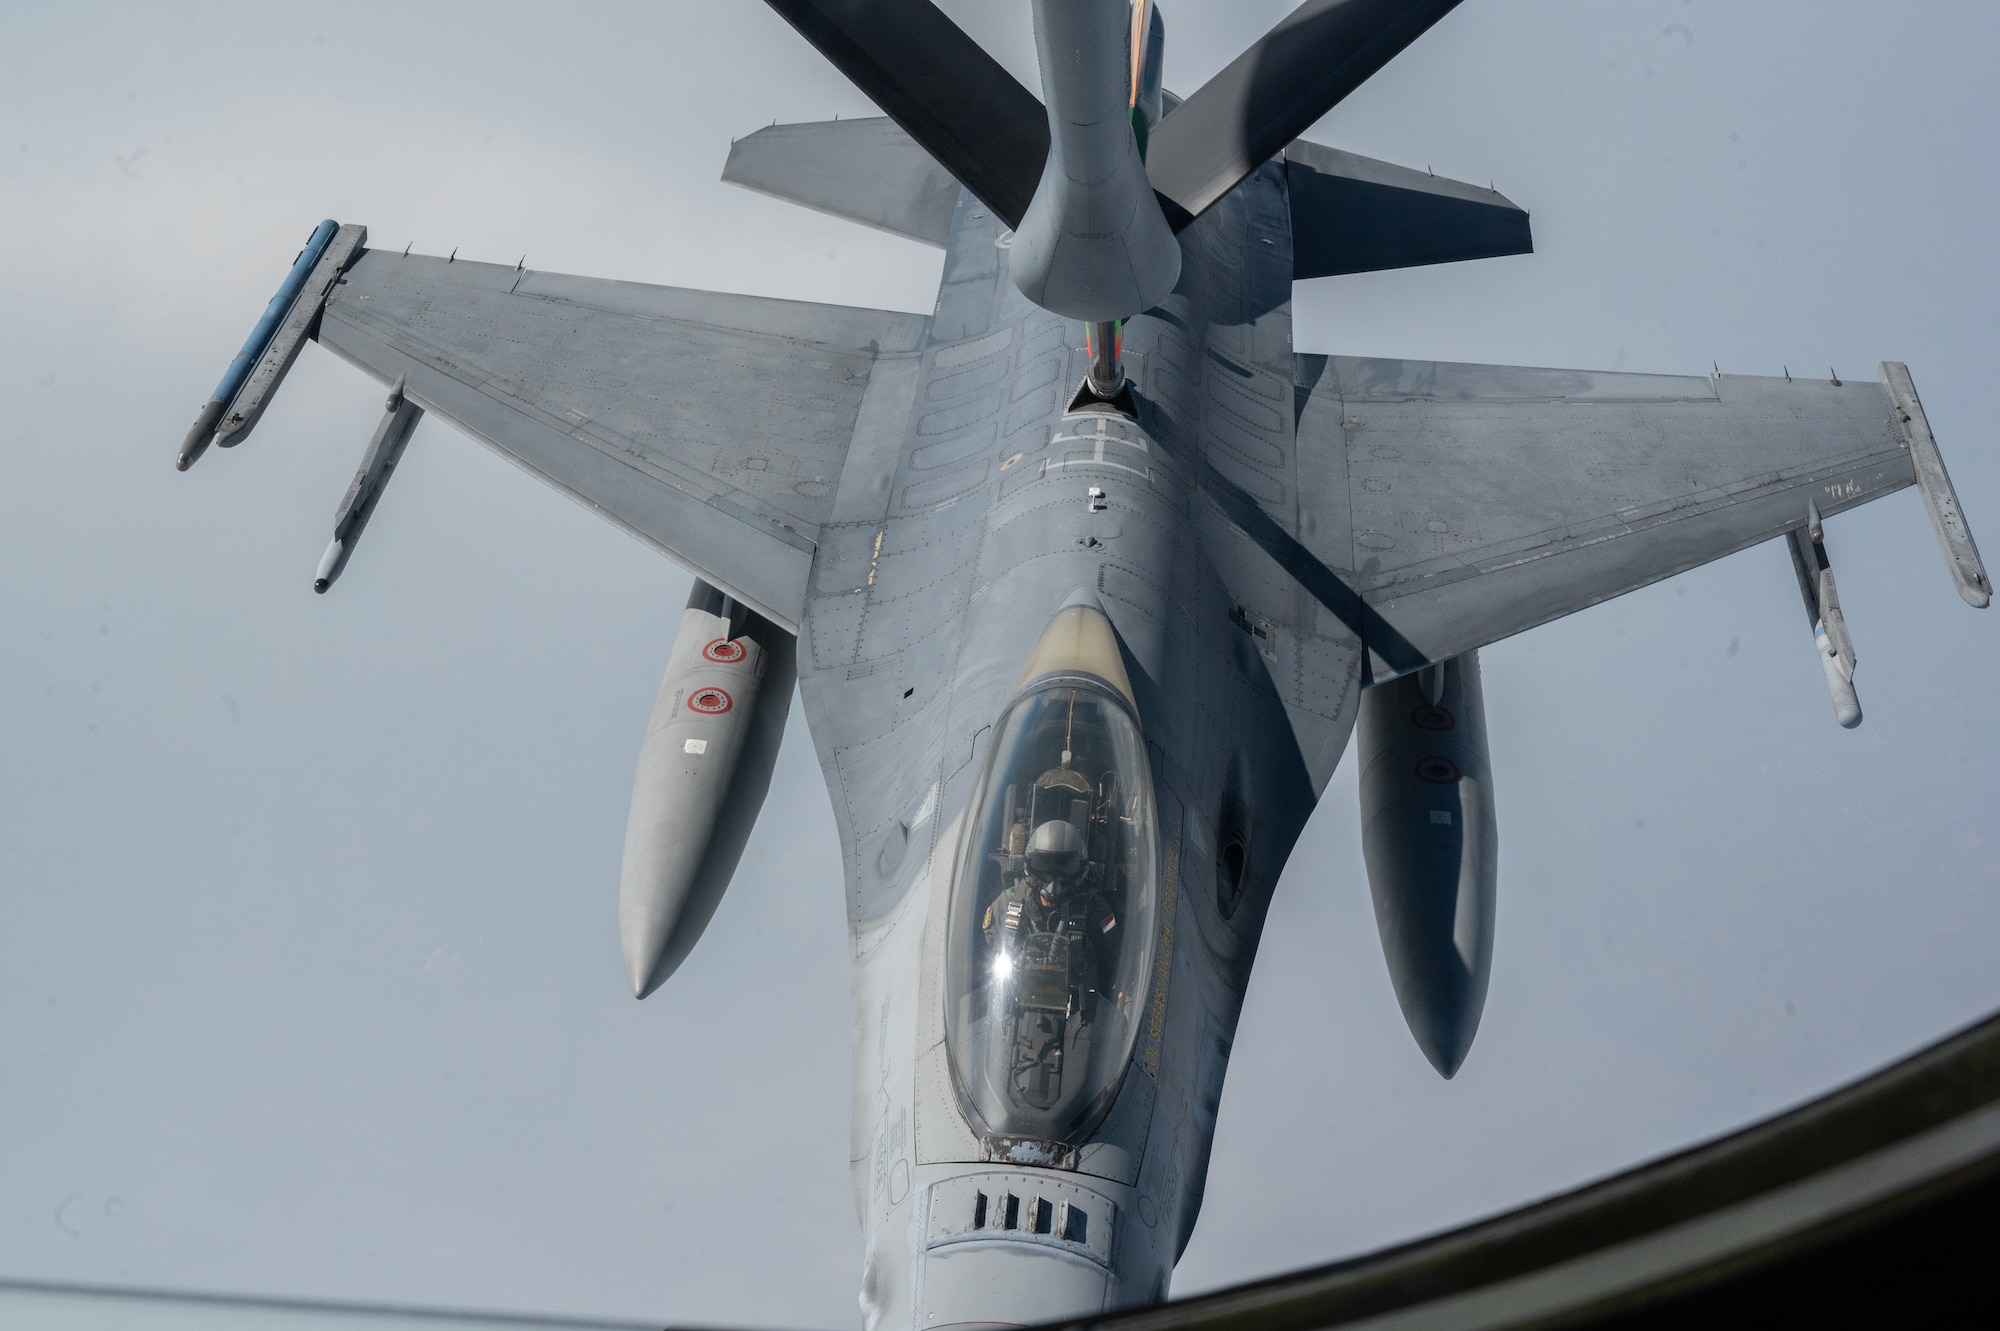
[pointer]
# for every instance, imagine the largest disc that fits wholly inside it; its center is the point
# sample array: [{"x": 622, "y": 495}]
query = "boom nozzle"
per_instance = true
[{"x": 1094, "y": 245}]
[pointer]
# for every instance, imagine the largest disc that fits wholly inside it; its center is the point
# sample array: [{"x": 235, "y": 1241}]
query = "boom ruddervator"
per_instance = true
[{"x": 1052, "y": 914}]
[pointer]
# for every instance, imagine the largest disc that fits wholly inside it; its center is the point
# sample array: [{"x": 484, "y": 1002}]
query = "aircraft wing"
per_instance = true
[
  {"x": 1447, "y": 506},
  {"x": 713, "y": 427}
]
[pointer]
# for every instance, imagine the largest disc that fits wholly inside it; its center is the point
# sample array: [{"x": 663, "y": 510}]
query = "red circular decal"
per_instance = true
[
  {"x": 1430, "y": 717},
  {"x": 726, "y": 650},
  {"x": 710, "y": 702},
  {"x": 1438, "y": 771}
]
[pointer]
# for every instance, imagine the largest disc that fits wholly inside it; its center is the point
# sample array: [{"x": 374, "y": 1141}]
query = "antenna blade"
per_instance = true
[
  {"x": 1273, "y": 92},
  {"x": 938, "y": 84}
]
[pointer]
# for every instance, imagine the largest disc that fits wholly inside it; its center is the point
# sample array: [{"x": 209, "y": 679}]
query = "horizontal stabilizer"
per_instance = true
[
  {"x": 1356, "y": 215},
  {"x": 940, "y": 86},
  {"x": 867, "y": 171}
]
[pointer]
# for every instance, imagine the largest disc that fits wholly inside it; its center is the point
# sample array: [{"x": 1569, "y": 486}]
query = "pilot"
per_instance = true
[
  {"x": 1056, "y": 889},
  {"x": 1055, "y": 859}
]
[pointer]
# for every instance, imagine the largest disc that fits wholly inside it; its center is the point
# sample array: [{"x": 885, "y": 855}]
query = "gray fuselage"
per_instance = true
[{"x": 926, "y": 599}]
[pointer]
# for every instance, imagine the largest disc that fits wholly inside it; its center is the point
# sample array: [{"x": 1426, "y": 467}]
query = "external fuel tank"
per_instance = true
[
  {"x": 1432, "y": 846},
  {"x": 703, "y": 773}
]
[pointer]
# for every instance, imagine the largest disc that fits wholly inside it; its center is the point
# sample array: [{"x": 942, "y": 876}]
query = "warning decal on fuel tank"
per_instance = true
[
  {"x": 1433, "y": 717},
  {"x": 714, "y": 702},
  {"x": 1437, "y": 770}
]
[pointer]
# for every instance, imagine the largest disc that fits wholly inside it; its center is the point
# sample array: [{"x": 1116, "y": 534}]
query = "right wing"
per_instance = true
[
  {"x": 713, "y": 427},
  {"x": 1442, "y": 507}
]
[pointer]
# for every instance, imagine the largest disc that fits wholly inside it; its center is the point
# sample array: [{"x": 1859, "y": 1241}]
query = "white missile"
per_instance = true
[
  {"x": 703, "y": 773},
  {"x": 385, "y": 450},
  {"x": 1829, "y": 625},
  {"x": 1431, "y": 842}
]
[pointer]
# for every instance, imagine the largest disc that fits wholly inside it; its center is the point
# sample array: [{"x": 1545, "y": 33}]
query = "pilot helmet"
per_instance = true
[{"x": 1055, "y": 851}]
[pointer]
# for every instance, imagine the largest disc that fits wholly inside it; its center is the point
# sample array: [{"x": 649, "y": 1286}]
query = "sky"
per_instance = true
[{"x": 309, "y": 973}]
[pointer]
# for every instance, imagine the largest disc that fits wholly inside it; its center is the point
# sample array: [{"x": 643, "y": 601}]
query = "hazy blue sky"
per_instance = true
[{"x": 309, "y": 975}]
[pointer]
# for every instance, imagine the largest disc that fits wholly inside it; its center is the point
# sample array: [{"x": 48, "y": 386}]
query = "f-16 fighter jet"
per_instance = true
[{"x": 1085, "y": 580}]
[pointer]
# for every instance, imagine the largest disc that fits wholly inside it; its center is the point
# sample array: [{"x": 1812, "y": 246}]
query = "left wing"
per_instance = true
[
  {"x": 1442, "y": 507},
  {"x": 713, "y": 427}
]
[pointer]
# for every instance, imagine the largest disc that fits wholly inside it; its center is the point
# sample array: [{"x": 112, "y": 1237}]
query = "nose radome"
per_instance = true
[{"x": 1079, "y": 638}]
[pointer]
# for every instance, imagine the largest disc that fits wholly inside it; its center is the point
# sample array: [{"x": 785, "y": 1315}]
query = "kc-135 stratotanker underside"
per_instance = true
[{"x": 1085, "y": 580}]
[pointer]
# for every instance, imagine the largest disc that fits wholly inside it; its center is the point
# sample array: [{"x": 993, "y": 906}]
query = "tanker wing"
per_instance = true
[{"x": 713, "y": 427}]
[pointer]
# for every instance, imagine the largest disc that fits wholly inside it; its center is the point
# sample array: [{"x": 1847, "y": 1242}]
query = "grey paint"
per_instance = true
[
  {"x": 1273, "y": 91},
  {"x": 1245, "y": 576},
  {"x": 867, "y": 170},
  {"x": 443, "y": 749},
  {"x": 1270, "y": 528},
  {"x": 1431, "y": 840},
  {"x": 378, "y": 464},
  {"x": 1426, "y": 494},
  {"x": 1968, "y": 572},
  {"x": 642, "y": 402},
  {"x": 1094, "y": 244},
  {"x": 702, "y": 776},
  {"x": 1352, "y": 214},
  {"x": 1807, "y": 545},
  {"x": 938, "y": 83}
]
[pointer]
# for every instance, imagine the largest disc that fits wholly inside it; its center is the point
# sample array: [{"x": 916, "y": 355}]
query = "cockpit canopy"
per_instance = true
[{"x": 1053, "y": 914}]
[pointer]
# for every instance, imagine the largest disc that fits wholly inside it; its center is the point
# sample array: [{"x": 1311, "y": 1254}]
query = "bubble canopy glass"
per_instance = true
[{"x": 1053, "y": 914}]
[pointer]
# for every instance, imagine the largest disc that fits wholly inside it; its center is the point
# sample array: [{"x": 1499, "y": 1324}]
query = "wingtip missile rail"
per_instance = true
[
  {"x": 1961, "y": 556},
  {"x": 267, "y": 354}
]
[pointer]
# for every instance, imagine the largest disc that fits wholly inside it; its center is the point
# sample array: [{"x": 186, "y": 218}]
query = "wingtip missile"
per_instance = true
[
  {"x": 1839, "y": 682},
  {"x": 255, "y": 347},
  {"x": 201, "y": 433},
  {"x": 385, "y": 450},
  {"x": 330, "y": 565},
  {"x": 1810, "y": 561}
]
